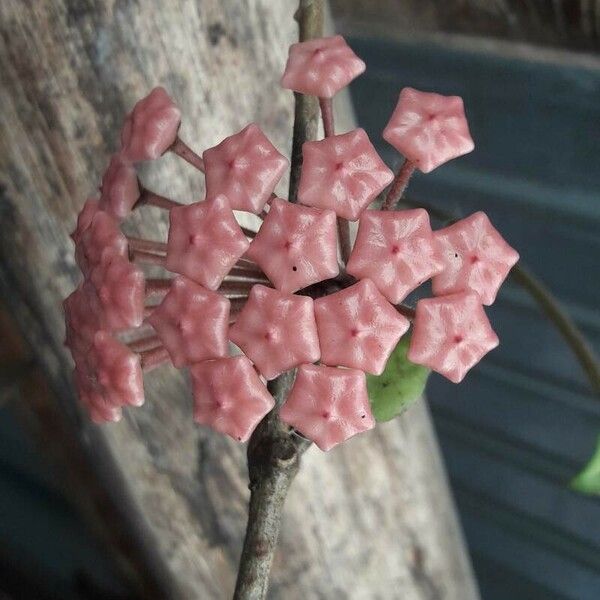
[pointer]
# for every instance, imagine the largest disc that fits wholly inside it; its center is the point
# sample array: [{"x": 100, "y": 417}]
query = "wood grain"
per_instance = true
[{"x": 372, "y": 519}]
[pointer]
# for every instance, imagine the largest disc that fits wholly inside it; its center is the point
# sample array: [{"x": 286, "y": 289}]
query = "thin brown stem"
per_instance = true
[
  {"x": 157, "y": 286},
  {"x": 139, "y": 256},
  {"x": 236, "y": 288},
  {"x": 149, "y": 198},
  {"x": 146, "y": 245},
  {"x": 326, "y": 106},
  {"x": 180, "y": 148},
  {"x": 399, "y": 185},
  {"x": 155, "y": 357}
]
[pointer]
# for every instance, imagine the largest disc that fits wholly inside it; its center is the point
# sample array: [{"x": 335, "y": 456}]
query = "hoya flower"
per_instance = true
[
  {"x": 451, "y": 334},
  {"x": 276, "y": 331},
  {"x": 83, "y": 319},
  {"x": 475, "y": 257},
  {"x": 192, "y": 323},
  {"x": 229, "y": 396},
  {"x": 120, "y": 288},
  {"x": 245, "y": 167},
  {"x": 429, "y": 129},
  {"x": 151, "y": 127},
  {"x": 296, "y": 246},
  {"x": 109, "y": 378},
  {"x": 358, "y": 328},
  {"x": 396, "y": 250},
  {"x": 205, "y": 241},
  {"x": 328, "y": 405},
  {"x": 343, "y": 173},
  {"x": 120, "y": 187},
  {"x": 84, "y": 218},
  {"x": 100, "y": 238},
  {"x": 321, "y": 67}
]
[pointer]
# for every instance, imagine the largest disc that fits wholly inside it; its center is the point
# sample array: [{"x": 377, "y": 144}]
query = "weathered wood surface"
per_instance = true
[{"x": 372, "y": 519}]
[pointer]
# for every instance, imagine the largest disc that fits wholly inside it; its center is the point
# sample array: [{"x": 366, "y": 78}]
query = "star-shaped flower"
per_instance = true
[
  {"x": 192, "y": 323},
  {"x": 120, "y": 188},
  {"x": 296, "y": 246},
  {"x": 321, "y": 67},
  {"x": 102, "y": 237},
  {"x": 475, "y": 257},
  {"x": 83, "y": 319},
  {"x": 110, "y": 377},
  {"x": 245, "y": 167},
  {"x": 451, "y": 334},
  {"x": 276, "y": 331},
  {"x": 84, "y": 218},
  {"x": 229, "y": 396},
  {"x": 151, "y": 127},
  {"x": 358, "y": 328},
  {"x": 429, "y": 129},
  {"x": 396, "y": 250},
  {"x": 121, "y": 290},
  {"x": 205, "y": 241},
  {"x": 343, "y": 173},
  {"x": 328, "y": 405}
]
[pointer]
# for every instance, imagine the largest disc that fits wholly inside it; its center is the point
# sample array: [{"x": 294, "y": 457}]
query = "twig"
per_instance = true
[
  {"x": 399, "y": 184},
  {"x": 547, "y": 302},
  {"x": 273, "y": 452}
]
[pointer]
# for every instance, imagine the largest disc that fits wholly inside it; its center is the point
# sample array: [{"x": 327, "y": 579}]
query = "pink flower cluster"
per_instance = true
[{"x": 264, "y": 291}]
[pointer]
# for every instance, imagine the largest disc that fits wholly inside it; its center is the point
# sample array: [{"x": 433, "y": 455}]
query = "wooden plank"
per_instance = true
[{"x": 372, "y": 519}]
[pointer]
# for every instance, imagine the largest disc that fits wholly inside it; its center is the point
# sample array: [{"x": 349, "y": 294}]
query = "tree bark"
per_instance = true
[{"x": 372, "y": 519}]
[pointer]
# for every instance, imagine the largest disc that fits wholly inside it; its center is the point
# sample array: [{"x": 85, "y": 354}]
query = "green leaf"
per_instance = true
[
  {"x": 588, "y": 480},
  {"x": 398, "y": 386}
]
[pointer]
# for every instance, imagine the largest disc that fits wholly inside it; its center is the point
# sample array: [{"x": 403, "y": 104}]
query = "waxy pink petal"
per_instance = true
[
  {"x": 120, "y": 288},
  {"x": 192, "y": 323},
  {"x": 84, "y": 218},
  {"x": 229, "y": 396},
  {"x": 102, "y": 237},
  {"x": 475, "y": 257},
  {"x": 120, "y": 187},
  {"x": 358, "y": 328},
  {"x": 451, "y": 334},
  {"x": 245, "y": 167},
  {"x": 296, "y": 246},
  {"x": 83, "y": 319},
  {"x": 109, "y": 378},
  {"x": 205, "y": 241},
  {"x": 151, "y": 127},
  {"x": 343, "y": 173},
  {"x": 396, "y": 250},
  {"x": 429, "y": 129},
  {"x": 276, "y": 331},
  {"x": 321, "y": 67},
  {"x": 328, "y": 405}
]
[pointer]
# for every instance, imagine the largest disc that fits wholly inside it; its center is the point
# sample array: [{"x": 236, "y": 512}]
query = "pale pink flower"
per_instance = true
[
  {"x": 321, "y": 67},
  {"x": 121, "y": 290},
  {"x": 151, "y": 127},
  {"x": 83, "y": 319},
  {"x": 102, "y": 237},
  {"x": 192, "y": 323},
  {"x": 328, "y": 405},
  {"x": 429, "y": 129},
  {"x": 296, "y": 246},
  {"x": 205, "y": 241},
  {"x": 120, "y": 187},
  {"x": 245, "y": 167},
  {"x": 276, "y": 331},
  {"x": 343, "y": 173},
  {"x": 396, "y": 250},
  {"x": 109, "y": 377},
  {"x": 358, "y": 328},
  {"x": 229, "y": 396},
  {"x": 451, "y": 334},
  {"x": 475, "y": 257},
  {"x": 84, "y": 218}
]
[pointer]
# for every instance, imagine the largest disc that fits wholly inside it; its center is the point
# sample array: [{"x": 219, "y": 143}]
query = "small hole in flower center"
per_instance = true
[
  {"x": 339, "y": 166},
  {"x": 354, "y": 332},
  {"x": 395, "y": 249},
  {"x": 458, "y": 339},
  {"x": 474, "y": 259},
  {"x": 194, "y": 239},
  {"x": 294, "y": 268},
  {"x": 326, "y": 414},
  {"x": 287, "y": 245}
]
